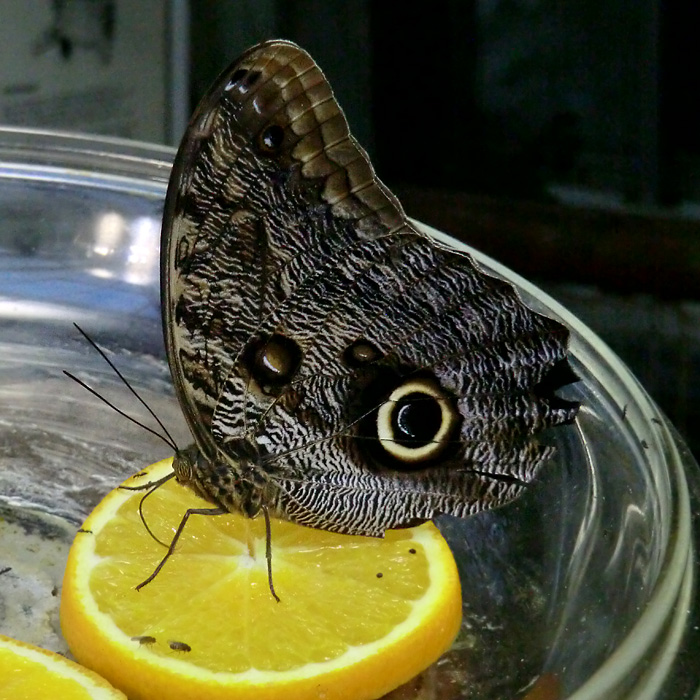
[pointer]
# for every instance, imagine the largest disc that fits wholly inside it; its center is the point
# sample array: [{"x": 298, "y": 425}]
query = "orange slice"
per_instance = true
[
  {"x": 358, "y": 616},
  {"x": 28, "y": 672}
]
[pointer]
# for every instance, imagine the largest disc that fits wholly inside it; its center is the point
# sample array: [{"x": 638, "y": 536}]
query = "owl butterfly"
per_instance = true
[{"x": 336, "y": 367}]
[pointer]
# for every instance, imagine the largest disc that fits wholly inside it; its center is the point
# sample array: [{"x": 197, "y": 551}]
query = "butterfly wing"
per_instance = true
[{"x": 366, "y": 376}]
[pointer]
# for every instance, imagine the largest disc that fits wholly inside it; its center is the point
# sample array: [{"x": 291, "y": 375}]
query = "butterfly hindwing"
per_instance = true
[{"x": 307, "y": 321}]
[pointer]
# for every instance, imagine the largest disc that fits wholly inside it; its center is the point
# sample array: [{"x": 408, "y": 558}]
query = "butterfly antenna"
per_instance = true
[{"x": 170, "y": 441}]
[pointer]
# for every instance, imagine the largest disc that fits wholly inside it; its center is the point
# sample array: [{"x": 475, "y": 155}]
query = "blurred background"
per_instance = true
[{"x": 560, "y": 138}]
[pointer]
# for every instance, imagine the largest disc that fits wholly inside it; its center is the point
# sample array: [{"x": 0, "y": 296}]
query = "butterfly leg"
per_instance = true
[
  {"x": 152, "y": 486},
  {"x": 176, "y": 537},
  {"x": 148, "y": 484},
  {"x": 268, "y": 551}
]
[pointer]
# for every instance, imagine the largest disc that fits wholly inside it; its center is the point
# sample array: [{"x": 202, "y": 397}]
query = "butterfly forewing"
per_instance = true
[{"x": 338, "y": 366}]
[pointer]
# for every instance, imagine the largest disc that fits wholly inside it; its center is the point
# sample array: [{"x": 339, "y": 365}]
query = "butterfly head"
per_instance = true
[{"x": 184, "y": 465}]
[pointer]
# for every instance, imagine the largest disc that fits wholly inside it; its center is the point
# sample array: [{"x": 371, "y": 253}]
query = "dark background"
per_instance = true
[{"x": 563, "y": 139}]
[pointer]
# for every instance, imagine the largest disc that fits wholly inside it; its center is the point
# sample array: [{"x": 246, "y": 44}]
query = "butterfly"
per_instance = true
[{"x": 337, "y": 368}]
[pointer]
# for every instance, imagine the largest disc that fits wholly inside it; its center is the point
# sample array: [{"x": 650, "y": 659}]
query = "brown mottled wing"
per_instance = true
[{"x": 276, "y": 224}]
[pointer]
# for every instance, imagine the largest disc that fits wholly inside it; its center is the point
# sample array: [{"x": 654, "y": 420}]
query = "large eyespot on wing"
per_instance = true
[{"x": 416, "y": 423}]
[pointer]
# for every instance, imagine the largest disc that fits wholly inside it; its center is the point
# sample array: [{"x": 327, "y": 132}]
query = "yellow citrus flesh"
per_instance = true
[
  {"x": 28, "y": 672},
  {"x": 358, "y": 616}
]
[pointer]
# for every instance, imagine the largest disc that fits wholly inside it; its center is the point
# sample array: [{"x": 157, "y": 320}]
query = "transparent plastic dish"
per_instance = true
[{"x": 582, "y": 589}]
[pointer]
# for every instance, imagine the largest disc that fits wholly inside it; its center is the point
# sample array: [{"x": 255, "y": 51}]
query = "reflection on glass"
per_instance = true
[
  {"x": 109, "y": 231},
  {"x": 101, "y": 273},
  {"x": 127, "y": 249},
  {"x": 142, "y": 256}
]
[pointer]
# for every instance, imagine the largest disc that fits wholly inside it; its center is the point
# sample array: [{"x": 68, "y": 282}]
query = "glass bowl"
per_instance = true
[{"x": 582, "y": 589}]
